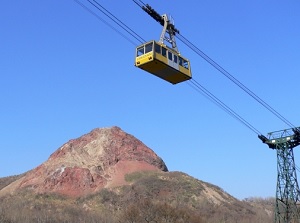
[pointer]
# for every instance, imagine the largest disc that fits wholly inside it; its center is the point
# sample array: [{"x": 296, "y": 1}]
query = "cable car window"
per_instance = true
[
  {"x": 185, "y": 64},
  {"x": 175, "y": 58},
  {"x": 180, "y": 61},
  {"x": 157, "y": 48},
  {"x": 140, "y": 51},
  {"x": 170, "y": 55},
  {"x": 148, "y": 47},
  {"x": 164, "y": 52}
]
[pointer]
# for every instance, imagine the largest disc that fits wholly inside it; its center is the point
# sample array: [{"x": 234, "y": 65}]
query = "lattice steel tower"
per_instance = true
[{"x": 287, "y": 191}]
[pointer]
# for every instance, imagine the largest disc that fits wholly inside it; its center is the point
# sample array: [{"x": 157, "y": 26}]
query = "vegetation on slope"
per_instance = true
[
  {"x": 8, "y": 180},
  {"x": 151, "y": 197}
]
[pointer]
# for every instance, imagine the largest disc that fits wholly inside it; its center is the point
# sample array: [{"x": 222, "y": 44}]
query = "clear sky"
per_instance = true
[{"x": 64, "y": 73}]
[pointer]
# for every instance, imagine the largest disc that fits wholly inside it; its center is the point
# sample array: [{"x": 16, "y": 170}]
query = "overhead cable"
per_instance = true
[
  {"x": 118, "y": 21},
  {"x": 233, "y": 79},
  {"x": 105, "y": 22},
  {"x": 139, "y": 3},
  {"x": 226, "y": 73},
  {"x": 194, "y": 84},
  {"x": 198, "y": 87}
]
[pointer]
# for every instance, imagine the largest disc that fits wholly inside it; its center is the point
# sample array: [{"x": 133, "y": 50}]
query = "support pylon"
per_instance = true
[{"x": 287, "y": 190}]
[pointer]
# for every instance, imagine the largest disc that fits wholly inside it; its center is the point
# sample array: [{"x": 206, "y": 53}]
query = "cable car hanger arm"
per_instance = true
[{"x": 168, "y": 26}]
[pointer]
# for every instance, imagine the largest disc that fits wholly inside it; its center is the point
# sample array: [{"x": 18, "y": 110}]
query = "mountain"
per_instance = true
[
  {"x": 108, "y": 175},
  {"x": 89, "y": 163}
]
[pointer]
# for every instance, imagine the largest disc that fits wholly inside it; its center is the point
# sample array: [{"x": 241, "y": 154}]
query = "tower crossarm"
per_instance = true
[{"x": 290, "y": 137}]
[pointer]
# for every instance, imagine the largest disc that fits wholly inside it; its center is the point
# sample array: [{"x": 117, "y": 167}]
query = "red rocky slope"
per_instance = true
[{"x": 89, "y": 163}]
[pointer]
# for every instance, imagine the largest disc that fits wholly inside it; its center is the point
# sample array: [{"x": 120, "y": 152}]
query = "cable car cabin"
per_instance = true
[{"x": 163, "y": 62}]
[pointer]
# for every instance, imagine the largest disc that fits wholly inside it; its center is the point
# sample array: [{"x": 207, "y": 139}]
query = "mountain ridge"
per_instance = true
[
  {"x": 108, "y": 175},
  {"x": 89, "y": 163}
]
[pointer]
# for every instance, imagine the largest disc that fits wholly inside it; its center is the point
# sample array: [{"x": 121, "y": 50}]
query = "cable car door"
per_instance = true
[{"x": 173, "y": 60}]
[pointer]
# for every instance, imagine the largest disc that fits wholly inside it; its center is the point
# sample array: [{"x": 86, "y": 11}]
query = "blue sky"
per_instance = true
[{"x": 64, "y": 73}]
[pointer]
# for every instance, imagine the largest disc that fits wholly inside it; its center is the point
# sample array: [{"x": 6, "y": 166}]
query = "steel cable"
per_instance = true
[
  {"x": 202, "y": 90},
  {"x": 234, "y": 80},
  {"x": 119, "y": 22},
  {"x": 227, "y": 74},
  {"x": 105, "y": 22},
  {"x": 193, "y": 83}
]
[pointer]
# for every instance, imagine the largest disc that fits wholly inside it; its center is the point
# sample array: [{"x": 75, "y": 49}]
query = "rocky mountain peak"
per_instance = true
[{"x": 89, "y": 163}]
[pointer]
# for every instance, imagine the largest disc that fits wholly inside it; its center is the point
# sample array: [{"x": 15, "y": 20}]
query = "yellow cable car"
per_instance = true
[
  {"x": 159, "y": 59},
  {"x": 162, "y": 61}
]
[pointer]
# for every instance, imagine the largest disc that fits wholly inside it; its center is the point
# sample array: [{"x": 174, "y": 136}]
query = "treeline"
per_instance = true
[
  {"x": 55, "y": 210},
  {"x": 145, "y": 211},
  {"x": 68, "y": 215}
]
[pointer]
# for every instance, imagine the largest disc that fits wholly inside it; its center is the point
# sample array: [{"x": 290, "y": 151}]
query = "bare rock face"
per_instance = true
[{"x": 91, "y": 162}]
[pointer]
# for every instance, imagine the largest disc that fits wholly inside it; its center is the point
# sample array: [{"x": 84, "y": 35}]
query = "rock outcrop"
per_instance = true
[{"x": 99, "y": 159}]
